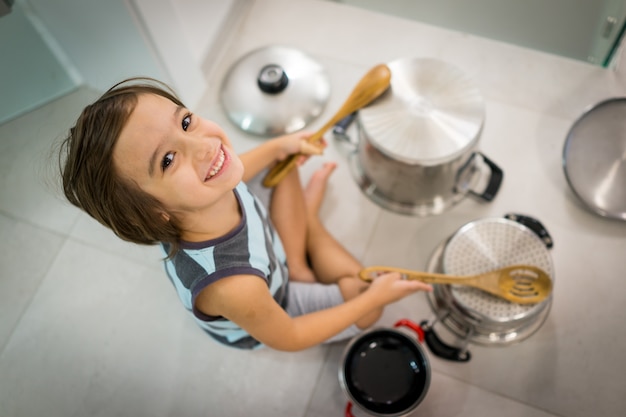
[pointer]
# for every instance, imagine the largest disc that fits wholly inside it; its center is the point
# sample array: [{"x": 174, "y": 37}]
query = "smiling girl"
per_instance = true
[{"x": 139, "y": 162}]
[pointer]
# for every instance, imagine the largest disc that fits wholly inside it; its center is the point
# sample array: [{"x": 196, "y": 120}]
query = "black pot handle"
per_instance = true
[
  {"x": 340, "y": 130},
  {"x": 442, "y": 349},
  {"x": 533, "y": 224},
  {"x": 495, "y": 180}
]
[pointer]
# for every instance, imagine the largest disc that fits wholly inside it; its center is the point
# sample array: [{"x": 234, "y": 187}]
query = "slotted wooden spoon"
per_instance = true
[
  {"x": 370, "y": 87},
  {"x": 522, "y": 284}
]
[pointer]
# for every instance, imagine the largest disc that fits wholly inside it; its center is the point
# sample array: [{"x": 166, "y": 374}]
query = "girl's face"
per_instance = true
[{"x": 184, "y": 161}]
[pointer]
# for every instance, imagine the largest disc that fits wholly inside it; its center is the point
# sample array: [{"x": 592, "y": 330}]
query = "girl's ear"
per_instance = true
[{"x": 165, "y": 216}]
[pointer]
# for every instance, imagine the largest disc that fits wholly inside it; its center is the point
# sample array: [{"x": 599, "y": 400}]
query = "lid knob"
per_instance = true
[{"x": 272, "y": 79}]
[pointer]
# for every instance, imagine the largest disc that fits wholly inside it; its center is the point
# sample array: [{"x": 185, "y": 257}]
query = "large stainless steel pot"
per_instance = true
[
  {"x": 473, "y": 316},
  {"x": 416, "y": 151}
]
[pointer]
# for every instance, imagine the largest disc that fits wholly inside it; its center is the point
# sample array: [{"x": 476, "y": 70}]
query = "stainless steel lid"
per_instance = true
[
  {"x": 488, "y": 244},
  {"x": 594, "y": 158},
  {"x": 274, "y": 90},
  {"x": 432, "y": 113}
]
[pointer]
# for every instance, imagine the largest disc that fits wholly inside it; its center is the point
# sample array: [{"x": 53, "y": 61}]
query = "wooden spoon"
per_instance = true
[
  {"x": 370, "y": 87},
  {"x": 522, "y": 284}
]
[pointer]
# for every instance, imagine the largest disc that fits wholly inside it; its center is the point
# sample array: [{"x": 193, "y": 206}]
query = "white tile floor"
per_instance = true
[{"x": 90, "y": 326}]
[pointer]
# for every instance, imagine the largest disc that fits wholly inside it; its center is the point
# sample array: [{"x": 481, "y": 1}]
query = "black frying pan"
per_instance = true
[{"x": 385, "y": 372}]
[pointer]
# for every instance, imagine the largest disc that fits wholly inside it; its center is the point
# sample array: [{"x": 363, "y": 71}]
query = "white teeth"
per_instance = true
[{"x": 218, "y": 167}]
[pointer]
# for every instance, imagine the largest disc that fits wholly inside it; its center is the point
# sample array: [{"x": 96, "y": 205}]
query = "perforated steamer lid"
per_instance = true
[{"x": 488, "y": 244}]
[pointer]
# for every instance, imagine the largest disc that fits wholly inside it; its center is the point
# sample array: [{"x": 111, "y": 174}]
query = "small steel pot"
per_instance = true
[
  {"x": 471, "y": 315},
  {"x": 416, "y": 149},
  {"x": 385, "y": 372}
]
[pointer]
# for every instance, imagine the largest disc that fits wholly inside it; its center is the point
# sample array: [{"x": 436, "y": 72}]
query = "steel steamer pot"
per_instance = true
[
  {"x": 416, "y": 149},
  {"x": 467, "y": 315}
]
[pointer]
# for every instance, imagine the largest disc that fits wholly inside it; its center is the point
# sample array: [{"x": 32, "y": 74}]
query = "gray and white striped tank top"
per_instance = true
[{"x": 252, "y": 248}]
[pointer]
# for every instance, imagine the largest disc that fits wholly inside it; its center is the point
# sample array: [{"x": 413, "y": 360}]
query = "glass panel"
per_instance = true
[
  {"x": 30, "y": 74},
  {"x": 586, "y": 30},
  {"x": 609, "y": 32}
]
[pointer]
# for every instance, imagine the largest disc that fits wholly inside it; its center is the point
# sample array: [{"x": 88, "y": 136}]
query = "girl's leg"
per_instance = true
[
  {"x": 295, "y": 216},
  {"x": 288, "y": 213},
  {"x": 329, "y": 259},
  {"x": 331, "y": 262}
]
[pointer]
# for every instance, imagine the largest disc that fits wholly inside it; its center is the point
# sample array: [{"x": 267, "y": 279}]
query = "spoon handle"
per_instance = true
[
  {"x": 279, "y": 171},
  {"x": 369, "y": 273},
  {"x": 370, "y": 87}
]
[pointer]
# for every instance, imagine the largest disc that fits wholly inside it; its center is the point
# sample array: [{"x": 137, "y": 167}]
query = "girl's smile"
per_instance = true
[{"x": 217, "y": 165}]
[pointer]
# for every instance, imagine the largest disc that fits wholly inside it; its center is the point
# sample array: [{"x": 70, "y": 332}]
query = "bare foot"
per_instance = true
[{"x": 316, "y": 188}]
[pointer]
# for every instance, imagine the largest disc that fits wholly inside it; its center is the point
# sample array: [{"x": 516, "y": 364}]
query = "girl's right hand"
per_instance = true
[
  {"x": 297, "y": 143},
  {"x": 391, "y": 287}
]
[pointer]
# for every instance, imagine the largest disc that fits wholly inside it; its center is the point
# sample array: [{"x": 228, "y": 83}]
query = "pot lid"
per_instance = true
[
  {"x": 431, "y": 114},
  {"x": 488, "y": 244},
  {"x": 594, "y": 158},
  {"x": 274, "y": 90}
]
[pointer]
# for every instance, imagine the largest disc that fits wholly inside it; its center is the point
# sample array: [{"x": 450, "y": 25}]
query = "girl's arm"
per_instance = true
[
  {"x": 245, "y": 300},
  {"x": 277, "y": 149}
]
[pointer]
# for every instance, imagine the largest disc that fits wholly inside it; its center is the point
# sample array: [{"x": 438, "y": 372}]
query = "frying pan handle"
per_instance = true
[
  {"x": 442, "y": 349},
  {"x": 533, "y": 224},
  {"x": 495, "y": 180}
]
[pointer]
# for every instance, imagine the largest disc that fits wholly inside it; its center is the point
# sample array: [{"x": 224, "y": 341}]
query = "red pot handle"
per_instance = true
[
  {"x": 413, "y": 326},
  {"x": 348, "y": 412}
]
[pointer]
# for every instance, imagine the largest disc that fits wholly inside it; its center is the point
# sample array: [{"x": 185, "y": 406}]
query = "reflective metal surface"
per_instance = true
[
  {"x": 594, "y": 158},
  {"x": 432, "y": 114},
  {"x": 274, "y": 90},
  {"x": 415, "y": 152},
  {"x": 475, "y": 316},
  {"x": 402, "y": 192}
]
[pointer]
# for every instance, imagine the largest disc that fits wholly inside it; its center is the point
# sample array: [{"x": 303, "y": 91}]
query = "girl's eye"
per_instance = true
[
  {"x": 186, "y": 122},
  {"x": 167, "y": 161}
]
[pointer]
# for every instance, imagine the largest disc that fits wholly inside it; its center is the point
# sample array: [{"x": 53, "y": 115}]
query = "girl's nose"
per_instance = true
[{"x": 199, "y": 149}]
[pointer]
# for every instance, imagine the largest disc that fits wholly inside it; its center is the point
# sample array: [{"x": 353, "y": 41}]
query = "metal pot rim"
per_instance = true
[{"x": 415, "y": 162}]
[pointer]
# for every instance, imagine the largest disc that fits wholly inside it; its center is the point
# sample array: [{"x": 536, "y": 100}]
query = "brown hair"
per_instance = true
[{"x": 90, "y": 180}]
